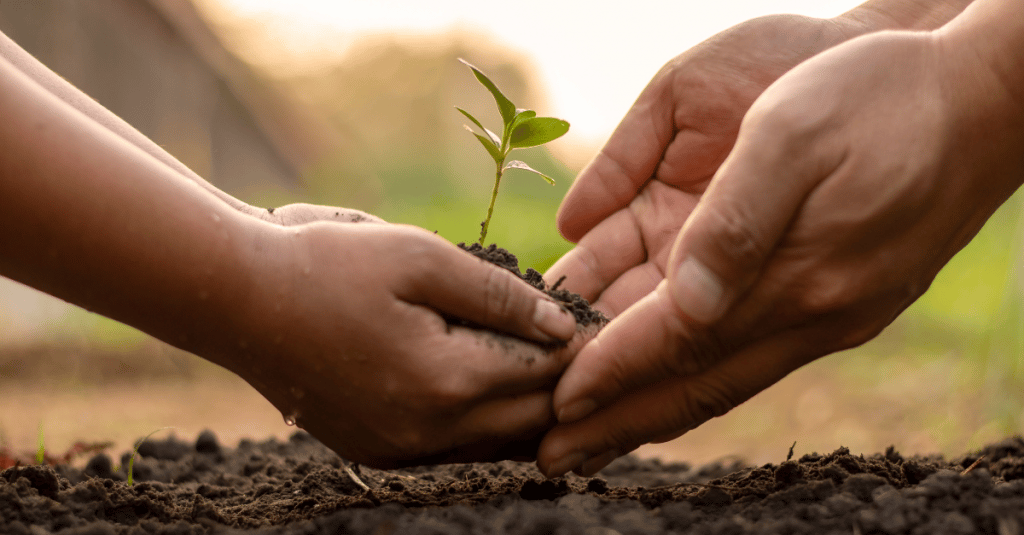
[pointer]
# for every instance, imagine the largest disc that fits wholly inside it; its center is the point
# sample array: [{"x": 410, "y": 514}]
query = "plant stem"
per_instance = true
[{"x": 490, "y": 209}]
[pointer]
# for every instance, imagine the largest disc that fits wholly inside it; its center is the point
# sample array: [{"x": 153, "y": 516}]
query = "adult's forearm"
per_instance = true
[
  {"x": 94, "y": 220},
  {"x": 877, "y": 15},
  {"x": 74, "y": 97}
]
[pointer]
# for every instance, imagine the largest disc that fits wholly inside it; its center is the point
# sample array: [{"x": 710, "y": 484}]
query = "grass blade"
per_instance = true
[{"x": 131, "y": 462}]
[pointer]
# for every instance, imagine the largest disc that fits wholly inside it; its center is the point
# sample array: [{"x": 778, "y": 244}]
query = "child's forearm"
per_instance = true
[
  {"x": 63, "y": 90},
  {"x": 94, "y": 220}
]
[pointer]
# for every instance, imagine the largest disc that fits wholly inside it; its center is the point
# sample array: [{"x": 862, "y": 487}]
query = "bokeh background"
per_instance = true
[{"x": 350, "y": 103}]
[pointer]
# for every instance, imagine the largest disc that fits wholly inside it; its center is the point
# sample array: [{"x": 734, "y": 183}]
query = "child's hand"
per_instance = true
[
  {"x": 291, "y": 215},
  {"x": 345, "y": 333}
]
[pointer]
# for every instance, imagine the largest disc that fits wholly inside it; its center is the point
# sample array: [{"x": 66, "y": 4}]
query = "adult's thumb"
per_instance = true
[{"x": 740, "y": 220}]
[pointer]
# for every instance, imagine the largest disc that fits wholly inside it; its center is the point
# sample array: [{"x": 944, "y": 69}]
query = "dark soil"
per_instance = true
[
  {"x": 570, "y": 301},
  {"x": 301, "y": 487}
]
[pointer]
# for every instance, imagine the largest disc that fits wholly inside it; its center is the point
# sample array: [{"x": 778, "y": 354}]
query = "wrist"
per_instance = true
[
  {"x": 250, "y": 258},
  {"x": 989, "y": 37},
  {"x": 879, "y": 15},
  {"x": 983, "y": 46},
  {"x": 983, "y": 85}
]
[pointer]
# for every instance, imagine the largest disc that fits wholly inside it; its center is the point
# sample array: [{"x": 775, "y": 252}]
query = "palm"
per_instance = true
[{"x": 628, "y": 205}]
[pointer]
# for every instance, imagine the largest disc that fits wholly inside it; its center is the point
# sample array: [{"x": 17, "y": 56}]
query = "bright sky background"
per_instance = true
[{"x": 593, "y": 57}]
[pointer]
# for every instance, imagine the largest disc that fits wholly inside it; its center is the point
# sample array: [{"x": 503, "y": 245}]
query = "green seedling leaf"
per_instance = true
[
  {"x": 505, "y": 106},
  {"x": 522, "y": 128},
  {"x": 535, "y": 131},
  {"x": 494, "y": 137},
  {"x": 492, "y": 149},
  {"x": 131, "y": 462},
  {"x": 522, "y": 115},
  {"x": 518, "y": 164}
]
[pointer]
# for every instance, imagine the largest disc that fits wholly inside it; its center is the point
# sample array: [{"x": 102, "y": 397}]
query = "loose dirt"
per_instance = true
[
  {"x": 580, "y": 308},
  {"x": 298, "y": 486}
]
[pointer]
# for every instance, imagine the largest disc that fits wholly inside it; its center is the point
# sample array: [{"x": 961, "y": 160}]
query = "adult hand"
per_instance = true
[
  {"x": 347, "y": 336},
  {"x": 854, "y": 179},
  {"x": 626, "y": 208}
]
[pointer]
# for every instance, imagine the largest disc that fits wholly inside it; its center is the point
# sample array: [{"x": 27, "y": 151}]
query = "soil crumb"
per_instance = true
[
  {"x": 299, "y": 486},
  {"x": 580, "y": 308}
]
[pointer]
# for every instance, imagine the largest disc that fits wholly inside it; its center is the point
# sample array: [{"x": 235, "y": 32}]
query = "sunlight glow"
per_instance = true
[{"x": 592, "y": 58}]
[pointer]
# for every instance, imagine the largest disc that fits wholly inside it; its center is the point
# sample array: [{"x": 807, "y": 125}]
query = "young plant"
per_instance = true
[
  {"x": 135, "y": 451},
  {"x": 41, "y": 449},
  {"x": 521, "y": 129}
]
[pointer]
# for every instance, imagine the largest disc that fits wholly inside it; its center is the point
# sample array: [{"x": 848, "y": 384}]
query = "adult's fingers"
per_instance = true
[
  {"x": 629, "y": 288},
  {"x": 506, "y": 418},
  {"x": 672, "y": 406},
  {"x": 458, "y": 284},
  {"x": 610, "y": 249},
  {"x": 777, "y": 161},
  {"x": 628, "y": 160},
  {"x": 648, "y": 342}
]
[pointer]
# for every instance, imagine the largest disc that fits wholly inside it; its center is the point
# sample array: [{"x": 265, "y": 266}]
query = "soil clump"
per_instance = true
[
  {"x": 580, "y": 308},
  {"x": 299, "y": 486}
]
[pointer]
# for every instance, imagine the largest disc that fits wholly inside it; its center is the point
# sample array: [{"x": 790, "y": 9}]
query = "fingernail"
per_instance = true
[
  {"x": 566, "y": 464},
  {"x": 594, "y": 465},
  {"x": 554, "y": 321},
  {"x": 576, "y": 410},
  {"x": 698, "y": 291}
]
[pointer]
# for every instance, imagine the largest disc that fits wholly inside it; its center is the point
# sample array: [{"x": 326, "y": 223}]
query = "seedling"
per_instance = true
[
  {"x": 522, "y": 128},
  {"x": 131, "y": 462},
  {"x": 41, "y": 449}
]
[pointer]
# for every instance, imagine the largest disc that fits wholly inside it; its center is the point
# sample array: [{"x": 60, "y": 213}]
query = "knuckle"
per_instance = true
[
  {"x": 859, "y": 334},
  {"x": 700, "y": 350},
  {"x": 911, "y": 290},
  {"x": 500, "y": 299},
  {"x": 426, "y": 253},
  {"x": 586, "y": 258},
  {"x": 413, "y": 252},
  {"x": 621, "y": 374},
  {"x": 447, "y": 392},
  {"x": 794, "y": 122},
  {"x": 825, "y": 293},
  {"x": 701, "y": 400},
  {"x": 626, "y": 433},
  {"x": 736, "y": 237},
  {"x": 882, "y": 311}
]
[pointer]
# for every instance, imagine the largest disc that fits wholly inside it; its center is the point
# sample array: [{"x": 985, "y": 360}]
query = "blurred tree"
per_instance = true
[{"x": 397, "y": 96}]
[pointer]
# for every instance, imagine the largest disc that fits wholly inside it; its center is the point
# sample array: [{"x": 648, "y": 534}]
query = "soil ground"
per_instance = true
[
  {"x": 735, "y": 479},
  {"x": 298, "y": 486}
]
